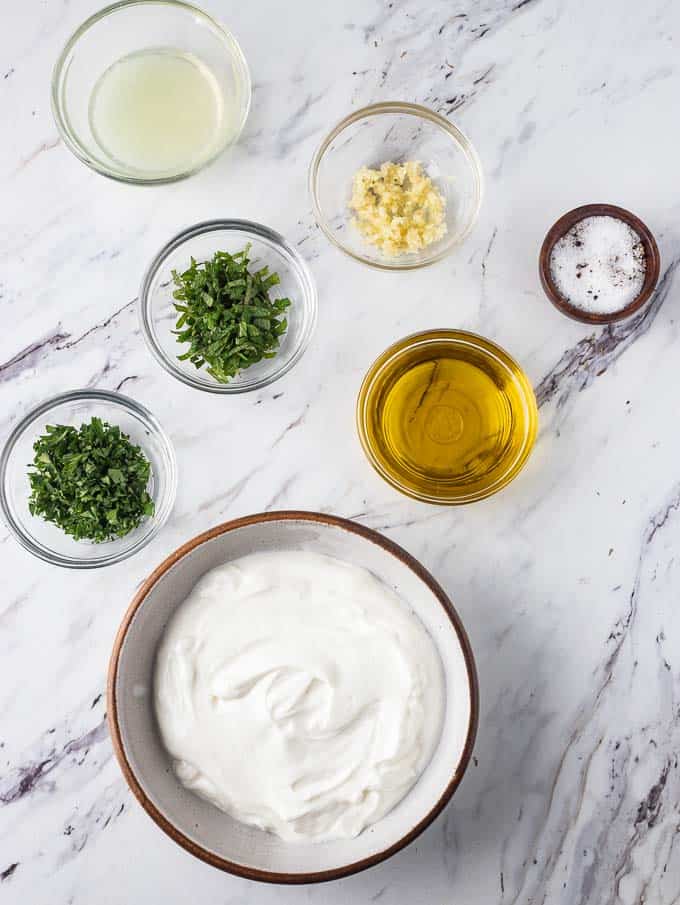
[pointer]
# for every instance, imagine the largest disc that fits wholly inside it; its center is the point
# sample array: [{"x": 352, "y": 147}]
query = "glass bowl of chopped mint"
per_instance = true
[
  {"x": 87, "y": 479},
  {"x": 228, "y": 306}
]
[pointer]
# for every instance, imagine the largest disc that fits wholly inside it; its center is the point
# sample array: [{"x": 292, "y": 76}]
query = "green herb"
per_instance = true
[
  {"x": 226, "y": 315},
  {"x": 90, "y": 481}
]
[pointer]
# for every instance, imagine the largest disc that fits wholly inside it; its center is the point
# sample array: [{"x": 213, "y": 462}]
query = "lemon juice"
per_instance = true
[{"x": 158, "y": 112}]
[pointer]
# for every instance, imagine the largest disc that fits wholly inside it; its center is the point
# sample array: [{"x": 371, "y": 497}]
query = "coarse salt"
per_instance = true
[{"x": 599, "y": 265}]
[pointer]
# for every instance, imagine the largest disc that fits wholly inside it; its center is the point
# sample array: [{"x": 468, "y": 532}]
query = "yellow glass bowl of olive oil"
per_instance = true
[{"x": 447, "y": 417}]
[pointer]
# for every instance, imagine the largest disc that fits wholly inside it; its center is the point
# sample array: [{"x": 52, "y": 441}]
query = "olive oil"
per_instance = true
[
  {"x": 158, "y": 111},
  {"x": 447, "y": 416}
]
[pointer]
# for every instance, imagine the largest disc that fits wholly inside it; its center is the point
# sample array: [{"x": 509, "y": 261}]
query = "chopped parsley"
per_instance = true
[{"x": 90, "y": 481}]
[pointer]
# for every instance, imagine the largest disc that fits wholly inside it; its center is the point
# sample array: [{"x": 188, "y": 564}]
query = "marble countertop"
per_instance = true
[{"x": 567, "y": 581}]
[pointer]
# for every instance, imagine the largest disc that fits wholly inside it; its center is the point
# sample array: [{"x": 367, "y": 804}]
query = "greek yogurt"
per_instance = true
[{"x": 299, "y": 694}]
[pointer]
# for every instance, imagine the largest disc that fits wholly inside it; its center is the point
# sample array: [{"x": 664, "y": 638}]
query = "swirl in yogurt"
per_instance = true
[{"x": 297, "y": 693}]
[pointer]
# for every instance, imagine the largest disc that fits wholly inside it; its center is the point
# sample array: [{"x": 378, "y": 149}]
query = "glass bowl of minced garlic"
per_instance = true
[{"x": 396, "y": 186}]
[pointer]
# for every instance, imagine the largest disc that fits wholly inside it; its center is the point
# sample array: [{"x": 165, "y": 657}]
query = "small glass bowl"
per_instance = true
[
  {"x": 158, "y": 315},
  {"x": 396, "y": 132},
  {"x": 46, "y": 540},
  {"x": 131, "y": 26},
  {"x": 474, "y": 436}
]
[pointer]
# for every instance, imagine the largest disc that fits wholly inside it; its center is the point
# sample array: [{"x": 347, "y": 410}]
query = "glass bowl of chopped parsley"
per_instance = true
[
  {"x": 228, "y": 306},
  {"x": 87, "y": 479}
]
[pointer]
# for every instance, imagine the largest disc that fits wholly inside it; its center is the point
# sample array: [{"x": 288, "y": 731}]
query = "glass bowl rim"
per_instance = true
[
  {"x": 420, "y": 112},
  {"x": 69, "y": 136},
  {"x": 161, "y": 515},
  {"x": 294, "y": 258},
  {"x": 450, "y": 336}
]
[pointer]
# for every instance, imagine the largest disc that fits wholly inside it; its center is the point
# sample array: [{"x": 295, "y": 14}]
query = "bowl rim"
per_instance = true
[
  {"x": 445, "y": 335},
  {"x": 85, "y": 395},
  {"x": 295, "y": 259},
  {"x": 166, "y": 825},
  {"x": 409, "y": 109},
  {"x": 562, "y": 226},
  {"x": 70, "y": 138}
]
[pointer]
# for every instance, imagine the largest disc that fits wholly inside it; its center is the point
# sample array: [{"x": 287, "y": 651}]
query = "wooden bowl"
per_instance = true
[{"x": 562, "y": 226}]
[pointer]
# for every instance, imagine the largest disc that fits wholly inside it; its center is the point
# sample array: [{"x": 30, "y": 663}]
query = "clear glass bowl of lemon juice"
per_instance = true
[{"x": 150, "y": 91}]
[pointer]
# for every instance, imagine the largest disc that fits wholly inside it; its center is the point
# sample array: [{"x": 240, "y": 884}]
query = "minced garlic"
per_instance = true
[{"x": 398, "y": 208}]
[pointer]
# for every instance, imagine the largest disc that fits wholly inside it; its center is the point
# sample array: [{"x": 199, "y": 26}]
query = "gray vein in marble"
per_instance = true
[
  {"x": 8, "y": 871},
  {"x": 281, "y": 492},
  {"x": 458, "y": 33},
  {"x": 289, "y": 427},
  {"x": 106, "y": 809},
  {"x": 648, "y": 810},
  {"x": 485, "y": 261},
  {"x": 622, "y": 626},
  {"x": 59, "y": 342},
  {"x": 449, "y": 105},
  {"x": 31, "y": 355},
  {"x": 289, "y": 133},
  {"x": 231, "y": 494},
  {"x": 449, "y": 843},
  {"x": 660, "y": 519},
  {"x": 397, "y": 32},
  {"x": 44, "y": 146},
  {"x": 591, "y": 357},
  {"x": 24, "y": 780},
  {"x": 102, "y": 325},
  {"x": 291, "y": 130},
  {"x": 14, "y": 605},
  {"x": 381, "y": 524}
]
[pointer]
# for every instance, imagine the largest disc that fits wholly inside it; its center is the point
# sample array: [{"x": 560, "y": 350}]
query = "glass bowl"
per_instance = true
[
  {"x": 396, "y": 132},
  {"x": 446, "y": 417},
  {"x": 46, "y": 540},
  {"x": 131, "y": 27},
  {"x": 158, "y": 315}
]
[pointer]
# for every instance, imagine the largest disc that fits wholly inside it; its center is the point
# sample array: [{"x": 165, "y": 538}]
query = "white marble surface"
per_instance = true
[{"x": 567, "y": 581}]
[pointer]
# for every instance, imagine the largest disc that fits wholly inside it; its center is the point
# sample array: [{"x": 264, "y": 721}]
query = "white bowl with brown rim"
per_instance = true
[{"x": 197, "y": 825}]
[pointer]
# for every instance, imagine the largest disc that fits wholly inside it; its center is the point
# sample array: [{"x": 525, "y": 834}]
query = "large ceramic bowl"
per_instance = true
[{"x": 194, "y": 823}]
